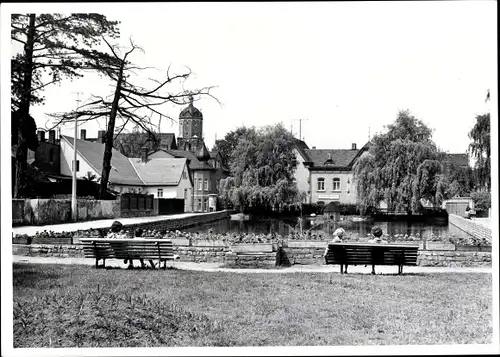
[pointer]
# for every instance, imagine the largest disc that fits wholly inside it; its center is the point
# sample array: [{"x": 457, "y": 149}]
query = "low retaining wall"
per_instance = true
[
  {"x": 469, "y": 226},
  {"x": 453, "y": 259},
  {"x": 200, "y": 254},
  {"x": 48, "y": 250},
  {"x": 252, "y": 260},
  {"x": 443, "y": 255}
]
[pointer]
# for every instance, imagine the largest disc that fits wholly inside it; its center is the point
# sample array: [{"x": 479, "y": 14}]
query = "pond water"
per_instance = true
[{"x": 431, "y": 227}]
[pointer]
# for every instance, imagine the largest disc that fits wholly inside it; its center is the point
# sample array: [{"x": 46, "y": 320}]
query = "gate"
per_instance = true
[{"x": 170, "y": 206}]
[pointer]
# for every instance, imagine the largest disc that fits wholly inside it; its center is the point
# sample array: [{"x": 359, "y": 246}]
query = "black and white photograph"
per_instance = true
[{"x": 249, "y": 178}]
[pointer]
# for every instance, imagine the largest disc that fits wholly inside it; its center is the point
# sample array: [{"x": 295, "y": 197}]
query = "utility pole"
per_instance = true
[
  {"x": 300, "y": 127},
  {"x": 74, "y": 202}
]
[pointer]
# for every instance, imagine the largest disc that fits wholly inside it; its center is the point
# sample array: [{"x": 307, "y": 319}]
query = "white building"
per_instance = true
[
  {"x": 161, "y": 177},
  {"x": 326, "y": 175}
]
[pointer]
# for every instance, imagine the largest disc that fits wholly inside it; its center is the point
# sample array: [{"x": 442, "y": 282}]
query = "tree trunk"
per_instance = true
[
  {"x": 24, "y": 110},
  {"x": 108, "y": 146}
]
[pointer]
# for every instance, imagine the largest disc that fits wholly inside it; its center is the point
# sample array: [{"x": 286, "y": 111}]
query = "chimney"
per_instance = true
[
  {"x": 101, "y": 136},
  {"x": 52, "y": 136},
  {"x": 354, "y": 146},
  {"x": 144, "y": 154},
  {"x": 83, "y": 134},
  {"x": 41, "y": 136}
]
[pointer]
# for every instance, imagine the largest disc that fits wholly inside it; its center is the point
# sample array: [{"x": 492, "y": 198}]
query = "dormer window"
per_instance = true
[{"x": 329, "y": 160}]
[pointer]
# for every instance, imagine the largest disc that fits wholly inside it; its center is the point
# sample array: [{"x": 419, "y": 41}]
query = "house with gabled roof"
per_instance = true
[
  {"x": 206, "y": 172},
  {"x": 326, "y": 175},
  {"x": 159, "y": 176}
]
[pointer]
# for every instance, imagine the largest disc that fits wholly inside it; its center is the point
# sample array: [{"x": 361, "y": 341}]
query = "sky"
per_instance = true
[{"x": 344, "y": 68}]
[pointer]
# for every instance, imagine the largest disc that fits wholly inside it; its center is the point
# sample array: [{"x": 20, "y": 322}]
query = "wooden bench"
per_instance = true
[
  {"x": 128, "y": 249},
  {"x": 372, "y": 254}
]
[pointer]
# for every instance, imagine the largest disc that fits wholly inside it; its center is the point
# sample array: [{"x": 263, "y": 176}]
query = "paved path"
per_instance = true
[
  {"x": 216, "y": 267},
  {"x": 102, "y": 223},
  {"x": 486, "y": 222}
]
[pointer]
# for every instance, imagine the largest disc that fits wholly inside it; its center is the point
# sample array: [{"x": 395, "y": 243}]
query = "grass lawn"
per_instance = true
[{"x": 70, "y": 306}]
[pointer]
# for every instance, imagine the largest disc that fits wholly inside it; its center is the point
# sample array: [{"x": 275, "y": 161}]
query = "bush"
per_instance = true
[
  {"x": 482, "y": 200},
  {"x": 347, "y": 209}
]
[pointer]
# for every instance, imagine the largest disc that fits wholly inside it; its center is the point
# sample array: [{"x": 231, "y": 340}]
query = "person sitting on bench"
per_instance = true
[
  {"x": 337, "y": 238},
  {"x": 377, "y": 233},
  {"x": 138, "y": 234}
]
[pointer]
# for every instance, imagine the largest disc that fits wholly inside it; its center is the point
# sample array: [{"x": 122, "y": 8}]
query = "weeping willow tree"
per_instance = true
[
  {"x": 402, "y": 167},
  {"x": 261, "y": 165}
]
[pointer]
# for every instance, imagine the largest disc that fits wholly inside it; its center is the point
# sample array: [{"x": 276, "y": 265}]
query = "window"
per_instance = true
[
  {"x": 321, "y": 184},
  {"x": 200, "y": 184},
  {"x": 206, "y": 184},
  {"x": 199, "y": 205},
  {"x": 160, "y": 192},
  {"x": 205, "y": 204},
  {"x": 336, "y": 184},
  {"x": 184, "y": 174},
  {"x": 77, "y": 165}
]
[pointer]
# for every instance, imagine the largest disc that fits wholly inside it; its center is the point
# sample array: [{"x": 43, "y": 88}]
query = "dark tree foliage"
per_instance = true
[
  {"x": 129, "y": 103},
  {"x": 262, "y": 169},
  {"x": 50, "y": 49},
  {"x": 227, "y": 145},
  {"x": 481, "y": 150},
  {"x": 401, "y": 167}
]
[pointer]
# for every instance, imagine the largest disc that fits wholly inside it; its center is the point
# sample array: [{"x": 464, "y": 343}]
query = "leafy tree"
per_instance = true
[
  {"x": 227, "y": 145},
  {"x": 129, "y": 102},
  {"x": 51, "y": 47},
  {"x": 482, "y": 200},
  {"x": 401, "y": 167},
  {"x": 481, "y": 150},
  {"x": 460, "y": 180},
  {"x": 262, "y": 171}
]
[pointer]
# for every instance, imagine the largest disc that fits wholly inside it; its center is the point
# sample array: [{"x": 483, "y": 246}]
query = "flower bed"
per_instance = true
[{"x": 233, "y": 238}]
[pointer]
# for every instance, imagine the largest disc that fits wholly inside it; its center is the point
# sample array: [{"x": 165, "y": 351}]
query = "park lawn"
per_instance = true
[{"x": 79, "y": 306}]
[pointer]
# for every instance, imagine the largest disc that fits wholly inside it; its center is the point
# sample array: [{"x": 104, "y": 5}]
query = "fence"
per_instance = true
[
  {"x": 42, "y": 211},
  {"x": 137, "y": 205}
]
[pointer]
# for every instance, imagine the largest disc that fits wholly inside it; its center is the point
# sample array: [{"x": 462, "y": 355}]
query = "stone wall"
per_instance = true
[
  {"x": 302, "y": 256},
  {"x": 469, "y": 226},
  {"x": 444, "y": 255},
  {"x": 252, "y": 260},
  {"x": 201, "y": 254},
  {"x": 453, "y": 258},
  {"x": 48, "y": 250}
]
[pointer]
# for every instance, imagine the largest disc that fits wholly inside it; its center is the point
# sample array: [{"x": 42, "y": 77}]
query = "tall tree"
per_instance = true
[
  {"x": 50, "y": 49},
  {"x": 262, "y": 171},
  {"x": 481, "y": 150},
  {"x": 129, "y": 103},
  {"x": 402, "y": 167},
  {"x": 227, "y": 145}
]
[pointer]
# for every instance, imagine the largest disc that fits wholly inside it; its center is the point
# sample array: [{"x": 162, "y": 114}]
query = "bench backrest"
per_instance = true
[
  {"x": 372, "y": 253},
  {"x": 137, "y": 248}
]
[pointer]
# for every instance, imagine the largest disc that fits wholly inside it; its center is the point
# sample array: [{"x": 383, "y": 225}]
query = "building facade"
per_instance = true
[
  {"x": 326, "y": 175},
  {"x": 163, "y": 177}
]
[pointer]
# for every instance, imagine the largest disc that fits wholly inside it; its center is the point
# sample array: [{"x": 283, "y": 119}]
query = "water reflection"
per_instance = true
[{"x": 432, "y": 227}]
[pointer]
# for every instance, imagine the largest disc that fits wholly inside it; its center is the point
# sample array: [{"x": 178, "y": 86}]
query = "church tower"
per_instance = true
[{"x": 190, "y": 128}]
